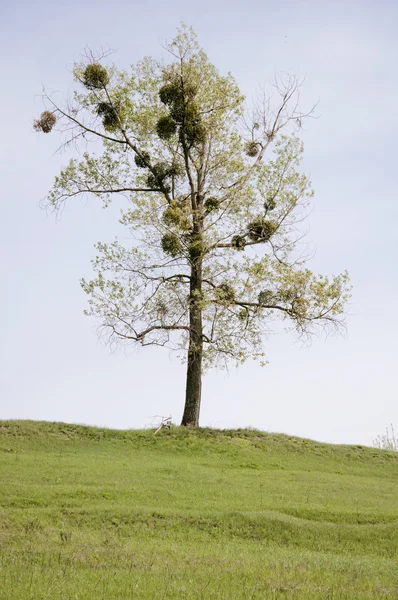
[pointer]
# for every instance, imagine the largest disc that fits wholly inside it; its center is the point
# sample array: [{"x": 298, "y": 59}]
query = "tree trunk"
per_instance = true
[{"x": 193, "y": 393}]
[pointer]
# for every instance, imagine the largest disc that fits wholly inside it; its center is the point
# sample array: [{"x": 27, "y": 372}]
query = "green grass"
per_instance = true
[{"x": 91, "y": 513}]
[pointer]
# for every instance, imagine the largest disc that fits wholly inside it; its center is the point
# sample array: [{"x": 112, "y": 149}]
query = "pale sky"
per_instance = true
[{"x": 54, "y": 368}]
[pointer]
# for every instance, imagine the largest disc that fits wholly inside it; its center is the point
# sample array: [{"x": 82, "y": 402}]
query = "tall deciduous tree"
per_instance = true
[{"x": 213, "y": 258}]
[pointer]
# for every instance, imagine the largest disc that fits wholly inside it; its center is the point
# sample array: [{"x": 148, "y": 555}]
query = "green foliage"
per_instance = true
[
  {"x": 171, "y": 244},
  {"x": 95, "y": 77},
  {"x": 98, "y": 513},
  {"x": 46, "y": 122}
]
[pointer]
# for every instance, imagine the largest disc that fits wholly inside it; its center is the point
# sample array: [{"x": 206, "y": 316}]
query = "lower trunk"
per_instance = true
[{"x": 193, "y": 393}]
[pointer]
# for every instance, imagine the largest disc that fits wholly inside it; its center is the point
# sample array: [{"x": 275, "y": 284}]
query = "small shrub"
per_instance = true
[{"x": 388, "y": 441}]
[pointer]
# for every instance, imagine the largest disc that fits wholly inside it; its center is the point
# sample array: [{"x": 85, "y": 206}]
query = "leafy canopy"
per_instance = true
[{"x": 204, "y": 181}]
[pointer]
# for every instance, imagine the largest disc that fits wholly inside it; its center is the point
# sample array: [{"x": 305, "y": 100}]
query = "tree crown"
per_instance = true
[{"x": 207, "y": 185}]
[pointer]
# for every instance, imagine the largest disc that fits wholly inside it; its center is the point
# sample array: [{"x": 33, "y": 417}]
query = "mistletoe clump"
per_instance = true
[
  {"x": 225, "y": 293},
  {"x": 110, "y": 114},
  {"x": 169, "y": 94},
  {"x": 243, "y": 314},
  {"x": 238, "y": 242},
  {"x": 177, "y": 97},
  {"x": 46, "y": 122},
  {"x": 261, "y": 230},
  {"x": 265, "y": 297},
  {"x": 142, "y": 161},
  {"x": 175, "y": 170},
  {"x": 288, "y": 295},
  {"x": 95, "y": 77},
  {"x": 251, "y": 149},
  {"x": 184, "y": 115},
  {"x": 196, "y": 247},
  {"x": 270, "y": 203},
  {"x": 193, "y": 127},
  {"x": 212, "y": 204},
  {"x": 174, "y": 215},
  {"x": 159, "y": 174},
  {"x": 166, "y": 127},
  {"x": 171, "y": 244}
]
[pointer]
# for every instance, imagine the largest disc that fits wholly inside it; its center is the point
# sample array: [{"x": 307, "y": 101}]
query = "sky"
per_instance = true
[{"x": 53, "y": 366}]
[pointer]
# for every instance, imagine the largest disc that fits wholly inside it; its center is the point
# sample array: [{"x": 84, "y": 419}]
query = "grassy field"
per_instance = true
[{"x": 97, "y": 514}]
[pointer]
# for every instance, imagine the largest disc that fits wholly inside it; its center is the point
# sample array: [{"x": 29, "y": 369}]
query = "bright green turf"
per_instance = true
[{"x": 97, "y": 514}]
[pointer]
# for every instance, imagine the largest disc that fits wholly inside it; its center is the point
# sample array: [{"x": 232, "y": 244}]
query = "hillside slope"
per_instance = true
[{"x": 88, "y": 513}]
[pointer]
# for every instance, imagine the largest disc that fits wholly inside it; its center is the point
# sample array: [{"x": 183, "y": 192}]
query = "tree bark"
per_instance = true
[{"x": 193, "y": 392}]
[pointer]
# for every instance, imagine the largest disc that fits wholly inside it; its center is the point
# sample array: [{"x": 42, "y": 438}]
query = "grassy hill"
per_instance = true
[{"x": 89, "y": 513}]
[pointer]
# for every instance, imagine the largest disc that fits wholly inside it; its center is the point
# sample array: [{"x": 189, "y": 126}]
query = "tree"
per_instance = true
[{"x": 213, "y": 256}]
